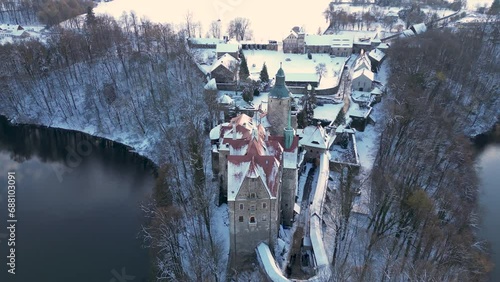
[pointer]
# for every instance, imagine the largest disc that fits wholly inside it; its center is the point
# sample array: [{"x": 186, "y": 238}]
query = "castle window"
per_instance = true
[
  {"x": 240, "y": 219},
  {"x": 252, "y": 207},
  {"x": 252, "y": 195},
  {"x": 252, "y": 219},
  {"x": 264, "y": 205},
  {"x": 241, "y": 206}
]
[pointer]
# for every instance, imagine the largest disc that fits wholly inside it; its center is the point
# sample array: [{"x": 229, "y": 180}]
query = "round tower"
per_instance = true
[{"x": 279, "y": 104}]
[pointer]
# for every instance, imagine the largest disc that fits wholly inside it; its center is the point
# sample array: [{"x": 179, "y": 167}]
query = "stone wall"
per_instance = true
[{"x": 253, "y": 219}]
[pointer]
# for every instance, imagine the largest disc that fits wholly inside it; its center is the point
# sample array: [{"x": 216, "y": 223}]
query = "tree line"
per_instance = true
[
  {"x": 130, "y": 78},
  {"x": 47, "y": 12}
]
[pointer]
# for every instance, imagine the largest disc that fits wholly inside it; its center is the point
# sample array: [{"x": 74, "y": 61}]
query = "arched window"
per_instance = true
[
  {"x": 252, "y": 219},
  {"x": 241, "y": 206}
]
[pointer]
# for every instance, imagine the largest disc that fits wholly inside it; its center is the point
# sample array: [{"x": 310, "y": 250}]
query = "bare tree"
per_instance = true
[
  {"x": 239, "y": 28},
  {"x": 321, "y": 71},
  {"x": 215, "y": 31}
]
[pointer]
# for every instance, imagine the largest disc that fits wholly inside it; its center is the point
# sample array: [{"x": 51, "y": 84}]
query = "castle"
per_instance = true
[{"x": 255, "y": 159}]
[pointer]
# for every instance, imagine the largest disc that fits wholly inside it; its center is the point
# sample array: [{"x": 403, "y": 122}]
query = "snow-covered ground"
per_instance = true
[
  {"x": 9, "y": 33},
  {"x": 328, "y": 111}
]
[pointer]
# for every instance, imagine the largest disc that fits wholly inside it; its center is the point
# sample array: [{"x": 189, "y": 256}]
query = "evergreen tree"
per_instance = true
[
  {"x": 495, "y": 8},
  {"x": 306, "y": 116},
  {"x": 264, "y": 76},
  {"x": 243, "y": 72},
  {"x": 90, "y": 17}
]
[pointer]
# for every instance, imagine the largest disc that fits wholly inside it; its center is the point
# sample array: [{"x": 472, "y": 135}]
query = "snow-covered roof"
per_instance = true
[
  {"x": 205, "y": 41},
  {"x": 215, "y": 132},
  {"x": 317, "y": 241},
  {"x": 360, "y": 96},
  {"x": 302, "y": 77},
  {"x": 318, "y": 40},
  {"x": 376, "y": 91},
  {"x": 226, "y": 60},
  {"x": 377, "y": 55},
  {"x": 383, "y": 46},
  {"x": 363, "y": 72},
  {"x": 363, "y": 62},
  {"x": 227, "y": 48},
  {"x": 211, "y": 84},
  {"x": 342, "y": 41},
  {"x": 225, "y": 99},
  {"x": 265, "y": 168},
  {"x": 407, "y": 33},
  {"x": 392, "y": 14},
  {"x": 267, "y": 262},
  {"x": 19, "y": 32},
  {"x": 315, "y": 136},
  {"x": 419, "y": 28}
]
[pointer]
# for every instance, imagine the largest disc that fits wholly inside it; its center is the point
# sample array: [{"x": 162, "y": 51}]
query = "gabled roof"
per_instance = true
[
  {"x": 227, "y": 61},
  {"x": 376, "y": 91},
  {"x": 265, "y": 168},
  {"x": 225, "y": 99},
  {"x": 363, "y": 62},
  {"x": 315, "y": 136},
  {"x": 363, "y": 72},
  {"x": 211, "y": 84},
  {"x": 377, "y": 55},
  {"x": 293, "y": 34}
]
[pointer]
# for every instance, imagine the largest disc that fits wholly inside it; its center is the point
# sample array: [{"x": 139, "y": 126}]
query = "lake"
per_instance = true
[
  {"x": 77, "y": 206},
  {"x": 488, "y": 162}
]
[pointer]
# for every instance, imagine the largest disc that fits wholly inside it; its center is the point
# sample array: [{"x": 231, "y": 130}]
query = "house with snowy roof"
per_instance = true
[
  {"x": 362, "y": 62},
  {"x": 294, "y": 42},
  {"x": 376, "y": 57},
  {"x": 362, "y": 80},
  {"x": 314, "y": 140},
  {"x": 224, "y": 71},
  {"x": 362, "y": 76}
]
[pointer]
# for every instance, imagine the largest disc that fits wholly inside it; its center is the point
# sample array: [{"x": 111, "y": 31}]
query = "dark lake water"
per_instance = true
[
  {"x": 489, "y": 173},
  {"x": 77, "y": 205}
]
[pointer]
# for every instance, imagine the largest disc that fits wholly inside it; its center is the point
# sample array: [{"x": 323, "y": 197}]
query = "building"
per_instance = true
[
  {"x": 232, "y": 49},
  {"x": 362, "y": 76},
  {"x": 256, "y": 162},
  {"x": 224, "y": 71},
  {"x": 294, "y": 42},
  {"x": 362, "y": 80},
  {"x": 376, "y": 57},
  {"x": 314, "y": 140},
  {"x": 337, "y": 45}
]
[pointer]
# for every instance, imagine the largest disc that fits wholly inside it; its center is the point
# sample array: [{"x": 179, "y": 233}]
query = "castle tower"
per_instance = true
[
  {"x": 279, "y": 104},
  {"x": 290, "y": 173}
]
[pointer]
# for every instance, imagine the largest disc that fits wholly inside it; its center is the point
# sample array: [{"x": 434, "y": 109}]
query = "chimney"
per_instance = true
[{"x": 234, "y": 131}]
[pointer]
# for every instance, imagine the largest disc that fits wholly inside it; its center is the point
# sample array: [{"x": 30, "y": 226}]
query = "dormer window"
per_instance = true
[{"x": 252, "y": 195}]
